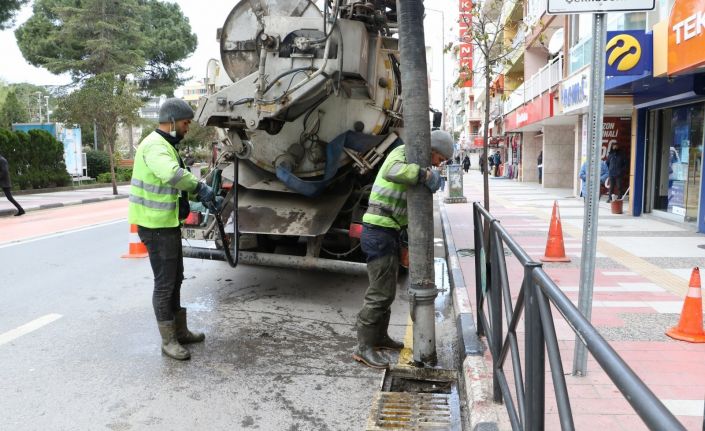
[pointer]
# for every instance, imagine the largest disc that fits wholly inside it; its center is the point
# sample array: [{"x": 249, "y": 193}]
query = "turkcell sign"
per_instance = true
[{"x": 597, "y": 6}]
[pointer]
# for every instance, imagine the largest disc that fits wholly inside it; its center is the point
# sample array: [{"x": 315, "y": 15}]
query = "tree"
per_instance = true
[
  {"x": 102, "y": 42},
  {"x": 145, "y": 39},
  {"x": 106, "y": 100},
  {"x": 487, "y": 27},
  {"x": 12, "y": 111},
  {"x": 8, "y": 8}
]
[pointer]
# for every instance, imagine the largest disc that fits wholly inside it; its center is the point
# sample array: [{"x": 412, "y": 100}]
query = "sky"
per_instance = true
[{"x": 204, "y": 22}]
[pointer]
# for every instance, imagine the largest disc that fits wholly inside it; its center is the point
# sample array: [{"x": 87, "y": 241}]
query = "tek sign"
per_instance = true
[
  {"x": 686, "y": 36},
  {"x": 597, "y": 6}
]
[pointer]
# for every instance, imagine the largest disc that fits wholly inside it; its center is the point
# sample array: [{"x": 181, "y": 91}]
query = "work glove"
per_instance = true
[
  {"x": 206, "y": 195},
  {"x": 432, "y": 180}
]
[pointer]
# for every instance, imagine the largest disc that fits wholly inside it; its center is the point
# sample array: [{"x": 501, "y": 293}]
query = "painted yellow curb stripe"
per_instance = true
[{"x": 406, "y": 355}]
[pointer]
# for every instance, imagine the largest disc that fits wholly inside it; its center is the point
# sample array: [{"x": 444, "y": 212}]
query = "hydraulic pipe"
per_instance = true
[
  {"x": 281, "y": 260},
  {"x": 417, "y": 130}
]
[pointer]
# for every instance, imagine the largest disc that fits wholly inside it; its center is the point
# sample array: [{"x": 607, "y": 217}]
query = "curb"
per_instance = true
[
  {"x": 484, "y": 414},
  {"x": 12, "y": 211},
  {"x": 67, "y": 188}
]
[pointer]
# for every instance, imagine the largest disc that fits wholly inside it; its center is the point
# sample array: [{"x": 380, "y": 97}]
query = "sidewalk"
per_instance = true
[
  {"x": 642, "y": 270},
  {"x": 40, "y": 201}
]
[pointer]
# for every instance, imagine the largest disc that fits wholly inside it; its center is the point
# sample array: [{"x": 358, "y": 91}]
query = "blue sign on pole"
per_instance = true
[{"x": 629, "y": 52}]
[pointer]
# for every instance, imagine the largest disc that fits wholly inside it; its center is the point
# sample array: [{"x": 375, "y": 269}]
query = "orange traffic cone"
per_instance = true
[
  {"x": 555, "y": 250},
  {"x": 690, "y": 327},
  {"x": 136, "y": 248}
]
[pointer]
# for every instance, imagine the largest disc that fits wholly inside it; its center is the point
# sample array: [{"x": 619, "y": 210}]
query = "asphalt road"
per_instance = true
[{"x": 79, "y": 347}]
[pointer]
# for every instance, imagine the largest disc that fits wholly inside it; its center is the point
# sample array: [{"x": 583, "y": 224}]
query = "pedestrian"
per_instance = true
[
  {"x": 457, "y": 159},
  {"x": 497, "y": 159},
  {"x": 466, "y": 163},
  {"x": 617, "y": 164},
  {"x": 158, "y": 204},
  {"x": 483, "y": 163},
  {"x": 583, "y": 176},
  {"x": 539, "y": 165},
  {"x": 386, "y": 216},
  {"x": 6, "y": 185}
]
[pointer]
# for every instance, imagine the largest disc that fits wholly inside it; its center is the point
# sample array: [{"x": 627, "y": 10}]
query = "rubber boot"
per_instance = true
[
  {"x": 365, "y": 351},
  {"x": 183, "y": 335},
  {"x": 170, "y": 346},
  {"x": 384, "y": 341}
]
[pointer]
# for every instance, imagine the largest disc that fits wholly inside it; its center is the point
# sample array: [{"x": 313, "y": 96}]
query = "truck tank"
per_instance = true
[{"x": 313, "y": 110}]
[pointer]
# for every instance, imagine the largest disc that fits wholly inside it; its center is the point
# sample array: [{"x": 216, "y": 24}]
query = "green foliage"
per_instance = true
[
  {"x": 28, "y": 98},
  {"x": 123, "y": 174},
  {"x": 98, "y": 162},
  {"x": 199, "y": 137},
  {"x": 12, "y": 111},
  {"x": 36, "y": 159},
  {"x": 105, "y": 177},
  {"x": 144, "y": 38},
  {"x": 103, "y": 99},
  {"x": 168, "y": 40},
  {"x": 83, "y": 38},
  {"x": 8, "y": 8}
]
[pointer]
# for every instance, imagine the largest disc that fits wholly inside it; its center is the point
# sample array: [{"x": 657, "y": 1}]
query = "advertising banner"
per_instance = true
[
  {"x": 686, "y": 36},
  {"x": 629, "y": 52}
]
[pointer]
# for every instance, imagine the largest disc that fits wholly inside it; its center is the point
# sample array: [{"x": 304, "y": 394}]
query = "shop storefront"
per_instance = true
[{"x": 674, "y": 160}]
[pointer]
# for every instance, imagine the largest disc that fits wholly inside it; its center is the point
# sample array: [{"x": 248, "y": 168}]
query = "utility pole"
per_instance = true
[
  {"x": 46, "y": 98},
  {"x": 95, "y": 135},
  {"x": 443, "y": 56},
  {"x": 417, "y": 131},
  {"x": 39, "y": 104},
  {"x": 587, "y": 264}
]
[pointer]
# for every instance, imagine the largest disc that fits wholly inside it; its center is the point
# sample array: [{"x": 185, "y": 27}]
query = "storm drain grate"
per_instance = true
[
  {"x": 410, "y": 411},
  {"x": 416, "y": 399}
]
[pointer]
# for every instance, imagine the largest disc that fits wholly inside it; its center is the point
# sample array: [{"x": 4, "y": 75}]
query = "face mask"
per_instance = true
[{"x": 173, "y": 129}]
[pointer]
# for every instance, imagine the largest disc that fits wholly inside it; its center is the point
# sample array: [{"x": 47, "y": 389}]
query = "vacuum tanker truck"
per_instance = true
[{"x": 312, "y": 112}]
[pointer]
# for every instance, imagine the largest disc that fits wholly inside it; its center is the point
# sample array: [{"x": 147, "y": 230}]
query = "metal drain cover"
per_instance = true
[{"x": 416, "y": 399}]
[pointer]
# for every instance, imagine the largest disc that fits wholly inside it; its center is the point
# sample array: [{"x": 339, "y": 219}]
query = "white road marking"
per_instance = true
[
  {"x": 617, "y": 273},
  {"x": 57, "y": 234},
  {"x": 28, "y": 327},
  {"x": 684, "y": 407}
]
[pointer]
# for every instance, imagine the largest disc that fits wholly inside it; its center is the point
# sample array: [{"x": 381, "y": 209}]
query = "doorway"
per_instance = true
[{"x": 674, "y": 165}]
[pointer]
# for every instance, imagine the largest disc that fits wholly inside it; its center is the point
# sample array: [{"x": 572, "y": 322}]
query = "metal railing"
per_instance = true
[{"x": 536, "y": 296}]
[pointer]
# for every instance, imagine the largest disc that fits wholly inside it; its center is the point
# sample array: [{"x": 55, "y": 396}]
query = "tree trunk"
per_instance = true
[{"x": 417, "y": 135}]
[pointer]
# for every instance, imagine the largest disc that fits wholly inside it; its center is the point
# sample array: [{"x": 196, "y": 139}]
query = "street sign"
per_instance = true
[{"x": 598, "y": 6}]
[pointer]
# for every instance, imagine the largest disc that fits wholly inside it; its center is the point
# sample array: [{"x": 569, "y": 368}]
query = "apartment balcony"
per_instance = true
[
  {"x": 475, "y": 115},
  {"x": 546, "y": 78},
  {"x": 579, "y": 55}
]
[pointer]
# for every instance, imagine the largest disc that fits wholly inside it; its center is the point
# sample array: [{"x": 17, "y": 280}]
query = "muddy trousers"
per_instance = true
[
  {"x": 8, "y": 195},
  {"x": 382, "y": 270},
  {"x": 167, "y": 261}
]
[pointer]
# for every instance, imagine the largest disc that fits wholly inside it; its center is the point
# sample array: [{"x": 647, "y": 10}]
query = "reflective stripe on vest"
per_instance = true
[
  {"x": 153, "y": 202},
  {"x": 387, "y": 204}
]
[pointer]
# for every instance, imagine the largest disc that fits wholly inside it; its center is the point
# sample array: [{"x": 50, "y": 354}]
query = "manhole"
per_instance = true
[
  {"x": 701, "y": 246},
  {"x": 416, "y": 399},
  {"x": 470, "y": 252}
]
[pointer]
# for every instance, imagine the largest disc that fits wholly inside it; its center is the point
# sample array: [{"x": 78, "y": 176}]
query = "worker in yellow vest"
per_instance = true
[
  {"x": 386, "y": 216},
  {"x": 158, "y": 203}
]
